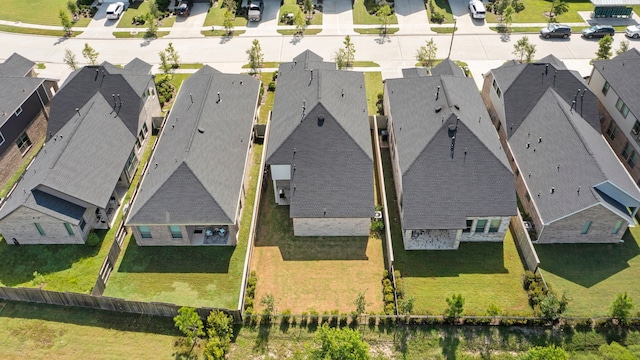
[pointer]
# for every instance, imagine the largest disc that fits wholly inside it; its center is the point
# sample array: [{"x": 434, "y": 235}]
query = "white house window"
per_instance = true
[
  {"x": 23, "y": 143},
  {"x": 40, "y": 230},
  {"x": 633, "y": 159},
  {"x": 19, "y": 111},
  {"x": 616, "y": 228},
  {"x": 176, "y": 232},
  {"x": 612, "y": 130},
  {"x": 480, "y": 225},
  {"x": 605, "y": 88},
  {"x": 145, "y": 232},
  {"x": 494, "y": 225},
  {"x": 585, "y": 228},
  {"x": 622, "y": 107},
  {"x": 497, "y": 88},
  {"x": 627, "y": 151},
  {"x": 69, "y": 229},
  {"x": 82, "y": 224},
  {"x": 144, "y": 128}
]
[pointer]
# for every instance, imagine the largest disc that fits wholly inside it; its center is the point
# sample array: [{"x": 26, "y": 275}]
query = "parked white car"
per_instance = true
[
  {"x": 114, "y": 10},
  {"x": 477, "y": 9},
  {"x": 633, "y": 31}
]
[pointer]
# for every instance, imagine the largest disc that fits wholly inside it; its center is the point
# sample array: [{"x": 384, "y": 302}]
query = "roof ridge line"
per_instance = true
[
  {"x": 73, "y": 132},
  {"x": 199, "y": 115}
]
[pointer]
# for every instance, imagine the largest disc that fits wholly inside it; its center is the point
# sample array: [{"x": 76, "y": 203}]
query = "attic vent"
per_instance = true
[
  {"x": 456, "y": 106},
  {"x": 201, "y": 130},
  {"x": 320, "y": 119},
  {"x": 452, "y": 127},
  {"x": 438, "y": 109}
]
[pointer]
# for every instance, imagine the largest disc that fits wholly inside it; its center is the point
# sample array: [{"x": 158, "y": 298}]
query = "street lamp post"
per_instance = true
[{"x": 455, "y": 21}]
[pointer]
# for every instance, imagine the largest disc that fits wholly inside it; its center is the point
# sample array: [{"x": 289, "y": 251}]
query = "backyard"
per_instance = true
[
  {"x": 592, "y": 274},
  {"x": 484, "y": 273},
  {"x": 313, "y": 273},
  {"x": 202, "y": 276}
]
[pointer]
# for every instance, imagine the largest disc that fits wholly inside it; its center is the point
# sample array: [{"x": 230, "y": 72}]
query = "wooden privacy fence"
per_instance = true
[
  {"x": 102, "y": 303},
  {"x": 109, "y": 262},
  {"x": 524, "y": 244}
]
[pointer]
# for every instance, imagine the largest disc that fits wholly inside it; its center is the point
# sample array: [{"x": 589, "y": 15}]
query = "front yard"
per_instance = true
[
  {"x": 141, "y": 8},
  {"x": 592, "y": 274},
  {"x": 484, "y": 273},
  {"x": 534, "y": 12},
  {"x": 41, "y": 12},
  {"x": 313, "y": 273},
  {"x": 362, "y": 17}
]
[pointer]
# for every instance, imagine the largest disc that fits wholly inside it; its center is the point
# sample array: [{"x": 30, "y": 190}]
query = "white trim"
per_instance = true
[
  {"x": 18, "y": 111},
  {"x": 2, "y": 139}
]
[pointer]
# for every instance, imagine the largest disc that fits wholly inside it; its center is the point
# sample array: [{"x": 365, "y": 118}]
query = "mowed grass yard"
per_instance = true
[
  {"x": 141, "y": 8},
  {"x": 313, "y": 273},
  {"x": 592, "y": 274},
  {"x": 534, "y": 12},
  {"x": 200, "y": 276},
  {"x": 484, "y": 273},
  {"x": 42, "y": 12}
]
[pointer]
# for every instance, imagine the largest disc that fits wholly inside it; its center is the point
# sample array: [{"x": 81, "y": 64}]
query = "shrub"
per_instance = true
[
  {"x": 313, "y": 317},
  {"x": 437, "y": 17},
  {"x": 286, "y": 316},
  {"x": 389, "y": 309},
  {"x": 343, "y": 320},
  {"x": 388, "y": 298},
  {"x": 93, "y": 239},
  {"x": 325, "y": 317},
  {"x": 272, "y": 86},
  {"x": 372, "y": 320},
  {"x": 274, "y": 77},
  {"x": 386, "y": 282},
  {"x": 303, "y": 318},
  {"x": 248, "y": 302},
  {"x": 377, "y": 226}
]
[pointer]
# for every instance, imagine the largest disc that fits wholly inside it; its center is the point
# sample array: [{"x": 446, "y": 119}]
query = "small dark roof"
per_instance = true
[
  {"x": 447, "y": 67},
  {"x": 414, "y": 72},
  {"x": 16, "y": 65},
  {"x": 623, "y": 74},
  {"x": 565, "y": 153},
  {"x": 522, "y": 86},
  {"x": 83, "y": 160},
  {"x": 441, "y": 187},
  {"x": 197, "y": 169},
  {"x": 107, "y": 80},
  {"x": 14, "y": 91},
  {"x": 333, "y": 159}
]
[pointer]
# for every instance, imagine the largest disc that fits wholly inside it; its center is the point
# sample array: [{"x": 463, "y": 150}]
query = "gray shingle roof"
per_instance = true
[
  {"x": 16, "y": 65},
  {"x": 523, "y": 84},
  {"x": 14, "y": 91},
  {"x": 414, "y": 72},
  {"x": 201, "y": 153},
  {"x": 441, "y": 190},
  {"x": 83, "y": 160},
  {"x": 447, "y": 67},
  {"x": 333, "y": 161},
  {"x": 571, "y": 155},
  {"x": 623, "y": 74},
  {"x": 106, "y": 80}
]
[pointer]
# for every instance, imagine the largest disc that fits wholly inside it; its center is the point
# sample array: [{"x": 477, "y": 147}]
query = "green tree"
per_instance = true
[
  {"x": 406, "y": 306},
  {"x": 152, "y": 24},
  {"x": 90, "y": 54},
  {"x": 268, "y": 302},
  {"x": 621, "y": 307},
  {"x": 340, "y": 57},
  {"x": 73, "y": 7},
  {"x": 219, "y": 330},
  {"x": 551, "y": 307},
  {"x": 360, "y": 303},
  {"x": 172, "y": 56},
  {"x": 338, "y": 344},
  {"x": 456, "y": 306},
  {"x": 604, "y": 48},
  {"x": 614, "y": 351},
  {"x": 189, "y": 323},
  {"x": 307, "y": 7},
  {"x": 427, "y": 53},
  {"x": 493, "y": 310},
  {"x": 384, "y": 13},
  {"x": 231, "y": 5},
  {"x": 624, "y": 47},
  {"x": 66, "y": 22},
  {"x": 164, "y": 63},
  {"x": 153, "y": 9},
  {"x": 70, "y": 59},
  {"x": 215, "y": 349},
  {"x": 349, "y": 51},
  {"x": 299, "y": 21},
  {"x": 228, "y": 22},
  {"x": 544, "y": 353},
  {"x": 255, "y": 56},
  {"x": 524, "y": 49},
  {"x": 507, "y": 18},
  {"x": 559, "y": 7}
]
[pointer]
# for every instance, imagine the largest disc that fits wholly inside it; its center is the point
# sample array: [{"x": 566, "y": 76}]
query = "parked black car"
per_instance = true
[
  {"x": 556, "y": 30},
  {"x": 598, "y": 31}
]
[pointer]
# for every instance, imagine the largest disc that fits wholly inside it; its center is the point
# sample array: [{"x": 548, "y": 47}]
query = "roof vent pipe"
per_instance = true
[
  {"x": 438, "y": 93},
  {"x": 553, "y": 190},
  {"x": 78, "y": 111},
  {"x": 219, "y": 98},
  {"x": 191, "y": 97}
]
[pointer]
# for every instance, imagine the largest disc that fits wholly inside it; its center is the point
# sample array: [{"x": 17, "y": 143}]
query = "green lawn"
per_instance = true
[
  {"x": 270, "y": 96},
  {"x": 304, "y": 32},
  {"x": 190, "y": 276},
  {"x": 215, "y": 16},
  {"x": 140, "y": 35},
  {"x": 442, "y": 6},
  {"x": 362, "y": 17},
  {"x": 484, "y": 273},
  {"x": 42, "y": 12},
  {"x": 377, "y": 31},
  {"x": 221, "y": 33},
  {"x": 373, "y": 86},
  {"x": 592, "y": 274},
  {"x": 443, "y": 30},
  {"x": 534, "y": 9},
  {"x": 141, "y": 8},
  {"x": 9, "y": 184},
  {"x": 34, "y": 31},
  {"x": 265, "y": 65}
]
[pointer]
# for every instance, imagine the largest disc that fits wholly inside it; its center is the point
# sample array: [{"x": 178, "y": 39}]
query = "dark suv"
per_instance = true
[
  {"x": 598, "y": 31},
  {"x": 556, "y": 30}
]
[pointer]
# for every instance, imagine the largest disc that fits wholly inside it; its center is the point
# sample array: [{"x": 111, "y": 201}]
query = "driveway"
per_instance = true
[
  {"x": 190, "y": 26},
  {"x": 100, "y": 27},
  {"x": 268, "y": 25},
  {"x": 412, "y": 17},
  {"x": 337, "y": 18},
  {"x": 465, "y": 23}
]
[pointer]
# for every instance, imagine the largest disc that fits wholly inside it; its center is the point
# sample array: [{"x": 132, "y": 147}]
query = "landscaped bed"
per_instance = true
[
  {"x": 484, "y": 273},
  {"x": 592, "y": 274},
  {"x": 313, "y": 273},
  {"x": 199, "y": 276}
]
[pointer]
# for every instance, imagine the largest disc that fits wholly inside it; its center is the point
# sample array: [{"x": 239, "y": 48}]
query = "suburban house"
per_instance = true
[
  {"x": 616, "y": 83},
  {"x": 193, "y": 190},
  {"x": 24, "y": 107},
  {"x": 319, "y": 149},
  {"x": 99, "y": 123},
  {"x": 452, "y": 178},
  {"x": 567, "y": 177}
]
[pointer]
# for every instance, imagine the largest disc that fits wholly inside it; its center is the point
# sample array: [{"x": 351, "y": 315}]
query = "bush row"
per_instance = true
[
  {"x": 250, "y": 294},
  {"x": 165, "y": 89}
]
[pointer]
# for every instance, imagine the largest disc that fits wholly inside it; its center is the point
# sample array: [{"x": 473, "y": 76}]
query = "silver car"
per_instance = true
[{"x": 633, "y": 31}]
